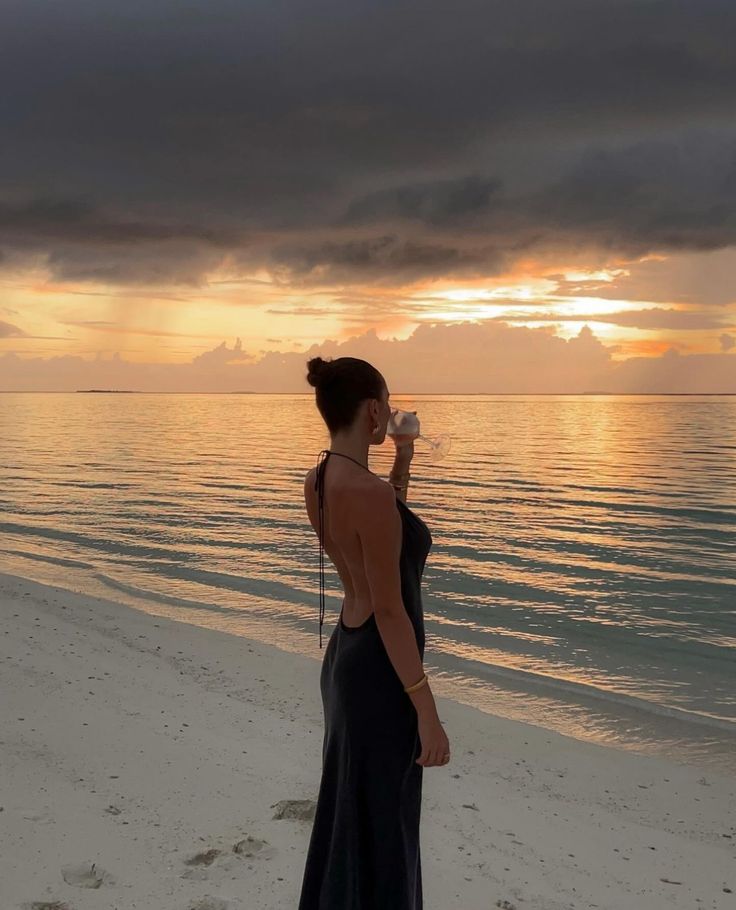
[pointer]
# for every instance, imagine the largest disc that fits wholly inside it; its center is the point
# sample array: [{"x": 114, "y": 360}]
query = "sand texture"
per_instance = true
[{"x": 148, "y": 764}]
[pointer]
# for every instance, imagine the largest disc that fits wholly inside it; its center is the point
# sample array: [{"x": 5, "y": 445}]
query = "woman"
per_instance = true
[{"x": 381, "y": 723}]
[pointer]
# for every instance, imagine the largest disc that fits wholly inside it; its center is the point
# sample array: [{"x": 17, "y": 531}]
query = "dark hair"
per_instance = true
[{"x": 342, "y": 385}]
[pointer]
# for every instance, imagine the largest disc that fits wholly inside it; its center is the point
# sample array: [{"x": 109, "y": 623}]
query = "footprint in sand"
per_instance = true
[
  {"x": 302, "y": 809},
  {"x": 210, "y": 903},
  {"x": 45, "y": 905},
  {"x": 252, "y": 846},
  {"x": 199, "y": 864},
  {"x": 86, "y": 875},
  {"x": 248, "y": 847},
  {"x": 205, "y": 858}
]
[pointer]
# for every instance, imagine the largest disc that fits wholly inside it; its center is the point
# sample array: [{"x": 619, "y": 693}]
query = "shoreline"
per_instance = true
[
  {"x": 616, "y": 720},
  {"x": 138, "y": 742}
]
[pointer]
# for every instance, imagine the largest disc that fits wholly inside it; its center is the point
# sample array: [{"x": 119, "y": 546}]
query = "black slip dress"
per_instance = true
[{"x": 364, "y": 848}]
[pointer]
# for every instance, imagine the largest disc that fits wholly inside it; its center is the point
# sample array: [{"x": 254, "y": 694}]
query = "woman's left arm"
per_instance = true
[{"x": 399, "y": 476}]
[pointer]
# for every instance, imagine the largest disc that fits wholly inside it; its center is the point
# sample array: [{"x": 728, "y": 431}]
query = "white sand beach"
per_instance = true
[{"x": 137, "y": 753}]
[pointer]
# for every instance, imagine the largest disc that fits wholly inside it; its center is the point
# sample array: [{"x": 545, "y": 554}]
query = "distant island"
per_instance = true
[{"x": 116, "y": 391}]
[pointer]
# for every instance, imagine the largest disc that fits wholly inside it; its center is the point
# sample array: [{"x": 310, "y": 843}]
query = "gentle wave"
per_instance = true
[{"x": 583, "y": 547}]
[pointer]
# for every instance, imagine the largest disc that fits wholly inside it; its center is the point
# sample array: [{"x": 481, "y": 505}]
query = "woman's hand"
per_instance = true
[
  {"x": 435, "y": 744},
  {"x": 404, "y": 447}
]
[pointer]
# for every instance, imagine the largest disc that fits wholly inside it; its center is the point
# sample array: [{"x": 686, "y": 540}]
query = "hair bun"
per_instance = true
[{"x": 317, "y": 369}]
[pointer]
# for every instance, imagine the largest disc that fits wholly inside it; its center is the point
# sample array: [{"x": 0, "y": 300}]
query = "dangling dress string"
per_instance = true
[{"x": 319, "y": 485}]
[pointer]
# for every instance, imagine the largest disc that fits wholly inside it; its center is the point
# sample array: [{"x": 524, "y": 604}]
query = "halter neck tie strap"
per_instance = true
[{"x": 319, "y": 485}]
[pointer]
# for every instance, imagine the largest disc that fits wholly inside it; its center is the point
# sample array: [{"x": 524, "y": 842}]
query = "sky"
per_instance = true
[{"x": 476, "y": 196}]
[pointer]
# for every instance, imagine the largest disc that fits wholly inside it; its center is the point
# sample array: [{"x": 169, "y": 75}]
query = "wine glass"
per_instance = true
[{"x": 403, "y": 426}]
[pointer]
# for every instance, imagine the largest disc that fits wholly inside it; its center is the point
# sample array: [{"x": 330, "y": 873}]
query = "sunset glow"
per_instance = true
[
  {"x": 216, "y": 231},
  {"x": 176, "y": 324}
]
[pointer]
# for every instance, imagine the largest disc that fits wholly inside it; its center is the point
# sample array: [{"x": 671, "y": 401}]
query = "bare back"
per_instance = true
[{"x": 342, "y": 486}]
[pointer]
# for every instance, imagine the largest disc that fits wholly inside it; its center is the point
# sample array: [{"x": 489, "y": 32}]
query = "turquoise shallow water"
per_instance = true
[{"x": 582, "y": 572}]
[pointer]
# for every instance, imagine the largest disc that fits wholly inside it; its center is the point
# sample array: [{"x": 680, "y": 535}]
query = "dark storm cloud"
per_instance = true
[
  {"x": 658, "y": 193},
  {"x": 77, "y": 220},
  {"x": 451, "y": 128},
  {"x": 83, "y": 242},
  {"x": 182, "y": 263},
  {"x": 651, "y": 195},
  {"x": 386, "y": 257},
  {"x": 440, "y": 203}
]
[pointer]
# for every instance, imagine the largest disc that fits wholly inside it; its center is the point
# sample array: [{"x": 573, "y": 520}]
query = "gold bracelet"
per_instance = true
[{"x": 418, "y": 685}]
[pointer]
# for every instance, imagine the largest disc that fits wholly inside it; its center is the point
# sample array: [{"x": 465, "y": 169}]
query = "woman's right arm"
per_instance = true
[{"x": 380, "y": 531}]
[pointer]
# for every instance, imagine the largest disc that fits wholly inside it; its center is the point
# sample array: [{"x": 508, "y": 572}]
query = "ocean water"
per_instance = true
[{"x": 582, "y": 576}]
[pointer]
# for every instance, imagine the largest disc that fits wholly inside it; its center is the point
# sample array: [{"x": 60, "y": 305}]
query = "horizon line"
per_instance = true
[{"x": 393, "y": 394}]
